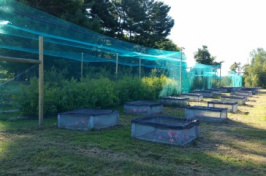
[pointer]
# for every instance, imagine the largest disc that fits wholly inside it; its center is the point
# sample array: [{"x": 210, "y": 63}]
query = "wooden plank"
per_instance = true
[
  {"x": 139, "y": 68},
  {"x": 116, "y": 66},
  {"x": 19, "y": 60},
  {"x": 81, "y": 66},
  {"x": 41, "y": 82}
]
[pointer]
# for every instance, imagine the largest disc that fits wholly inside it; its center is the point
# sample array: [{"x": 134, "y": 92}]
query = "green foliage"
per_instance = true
[
  {"x": 64, "y": 95},
  {"x": 72, "y": 95},
  {"x": 255, "y": 74},
  {"x": 170, "y": 87},
  {"x": 72, "y": 11},
  {"x": 204, "y": 57},
  {"x": 153, "y": 86},
  {"x": 27, "y": 149},
  {"x": 200, "y": 82},
  {"x": 166, "y": 45},
  {"x": 143, "y": 22},
  {"x": 224, "y": 82},
  {"x": 28, "y": 98},
  {"x": 3, "y": 94},
  {"x": 236, "y": 67},
  {"x": 129, "y": 89}
]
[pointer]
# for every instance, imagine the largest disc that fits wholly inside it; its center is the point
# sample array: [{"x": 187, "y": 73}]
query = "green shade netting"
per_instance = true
[{"x": 21, "y": 26}]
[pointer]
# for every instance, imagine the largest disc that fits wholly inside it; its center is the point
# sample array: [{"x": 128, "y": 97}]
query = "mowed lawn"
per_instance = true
[{"x": 236, "y": 146}]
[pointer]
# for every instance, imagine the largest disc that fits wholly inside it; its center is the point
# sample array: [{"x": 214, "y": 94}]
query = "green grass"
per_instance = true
[{"x": 234, "y": 147}]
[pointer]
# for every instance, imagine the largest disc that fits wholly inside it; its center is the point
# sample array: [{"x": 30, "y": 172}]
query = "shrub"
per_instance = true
[
  {"x": 92, "y": 93},
  {"x": 129, "y": 89}
]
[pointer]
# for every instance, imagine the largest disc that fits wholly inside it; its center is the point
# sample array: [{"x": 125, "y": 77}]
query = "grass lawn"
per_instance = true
[{"x": 236, "y": 146}]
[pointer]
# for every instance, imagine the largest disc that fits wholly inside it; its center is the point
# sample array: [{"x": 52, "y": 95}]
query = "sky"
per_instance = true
[{"x": 230, "y": 29}]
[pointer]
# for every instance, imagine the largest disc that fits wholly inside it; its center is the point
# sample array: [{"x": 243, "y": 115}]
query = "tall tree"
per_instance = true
[
  {"x": 255, "y": 73},
  {"x": 143, "y": 22},
  {"x": 75, "y": 11},
  {"x": 203, "y": 56},
  {"x": 236, "y": 67},
  {"x": 167, "y": 45}
]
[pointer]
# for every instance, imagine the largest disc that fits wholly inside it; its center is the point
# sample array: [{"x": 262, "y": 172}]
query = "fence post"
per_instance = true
[
  {"x": 116, "y": 65},
  {"x": 81, "y": 66},
  {"x": 41, "y": 84},
  {"x": 139, "y": 68}
]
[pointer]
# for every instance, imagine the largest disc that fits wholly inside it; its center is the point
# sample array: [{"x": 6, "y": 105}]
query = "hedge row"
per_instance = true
[{"x": 92, "y": 93}]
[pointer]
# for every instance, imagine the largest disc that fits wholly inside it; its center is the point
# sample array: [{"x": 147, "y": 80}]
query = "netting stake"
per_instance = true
[
  {"x": 220, "y": 74},
  {"x": 81, "y": 67},
  {"x": 41, "y": 84},
  {"x": 139, "y": 68},
  {"x": 116, "y": 65},
  {"x": 181, "y": 70}
]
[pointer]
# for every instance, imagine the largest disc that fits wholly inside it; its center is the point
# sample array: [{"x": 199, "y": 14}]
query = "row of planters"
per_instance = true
[{"x": 66, "y": 95}]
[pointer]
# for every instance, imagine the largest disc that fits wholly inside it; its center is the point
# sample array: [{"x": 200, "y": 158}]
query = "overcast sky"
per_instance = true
[{"x": 230, "y": 28}]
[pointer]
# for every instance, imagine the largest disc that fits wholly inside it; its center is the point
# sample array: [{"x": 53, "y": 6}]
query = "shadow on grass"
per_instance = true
[
  {"x": 238, "y": 131},
  {"x": 52, "y": 151},
  {"x": 29, "y": 150},
  {"x": 240, "y": 112},
  {"x": 251, "y": 100},
  {"x": 248, "y": 105}
]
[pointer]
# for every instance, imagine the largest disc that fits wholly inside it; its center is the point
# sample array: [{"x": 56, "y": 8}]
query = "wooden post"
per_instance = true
[
  {"x": 181, "y": 73},
  {"x": 81, "y": 67},
  {"x": 220, "y": 74},
  {"x": 116, "y": 65},
  {"x": 139, "y": 68},
  {"x": 19, "y": 60},
  {"x": 41, "y": 84},
  {"x": 181, "y": 49}
]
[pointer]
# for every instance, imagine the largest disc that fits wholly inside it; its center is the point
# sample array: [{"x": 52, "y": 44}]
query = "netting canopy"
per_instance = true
[{"x": 21, "y": 25}]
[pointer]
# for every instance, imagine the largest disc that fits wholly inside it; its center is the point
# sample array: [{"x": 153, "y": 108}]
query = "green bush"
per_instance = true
[
  {"x": 91, "y": 93},
  {"x": 27, "y": 101},
  {"x": 129, "y": 89},
  {"x": 3, "y": 95}
]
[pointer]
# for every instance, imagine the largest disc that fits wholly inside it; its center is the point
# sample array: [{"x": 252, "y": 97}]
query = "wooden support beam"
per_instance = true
[
  {"x": 116, "y": 65},
  {"x": 41, "y": 82},
  {"x": 139, "y": 68},
  {"x": 19, "y": 60},
  {"x": 81, "y": 66}
]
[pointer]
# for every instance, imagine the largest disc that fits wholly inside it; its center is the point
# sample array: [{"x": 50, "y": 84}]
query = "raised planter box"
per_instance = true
[
  {"x": 239, "y": 99},
  {"x": 207, "y": 114},
  {"x": 193, "y": 96},
  {"x": 167, "y": 130},
  {"x": 231, "y": 89},
  {"x": 204, "y": 93},
  {"x": 231, "y": 106},
  {"x": 222, "y": 89},
  {"x": 217, "y": 91},
  {"x": 175, "y": 101},
  {"x": 249, "y": 93},
  {"x": 143, "y": 107},
  {"x": 87, "y": 119},
  {"x": 239, "y": 95},
  {"x": 254, "y": 90}
]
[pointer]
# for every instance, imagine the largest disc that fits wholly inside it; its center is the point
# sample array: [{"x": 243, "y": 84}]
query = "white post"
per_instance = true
[{"x": 41, "y": 84}]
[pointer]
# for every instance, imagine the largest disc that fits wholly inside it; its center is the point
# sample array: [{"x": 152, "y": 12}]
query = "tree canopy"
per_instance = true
[
  {"x": 255, "y": 73},
  {"x": 73, "y": 11},
  {"x": 144, "y": 22},
  {"x": 203, "y": 56},
  {"x": 236, "y": 67}
]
